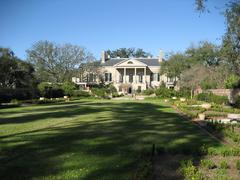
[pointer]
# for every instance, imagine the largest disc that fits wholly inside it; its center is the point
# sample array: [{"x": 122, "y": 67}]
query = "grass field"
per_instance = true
[{"x": 90, "y": 139}]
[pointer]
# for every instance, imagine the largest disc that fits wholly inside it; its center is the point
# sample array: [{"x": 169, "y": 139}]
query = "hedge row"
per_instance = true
[{"x": 7, "y": 94}]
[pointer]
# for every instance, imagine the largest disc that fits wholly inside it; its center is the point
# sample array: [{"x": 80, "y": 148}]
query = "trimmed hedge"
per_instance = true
[
  {"x": 80, "y": 93},
  {"x": 7, "y": 94},
  {"x": 210, "y": 97}
]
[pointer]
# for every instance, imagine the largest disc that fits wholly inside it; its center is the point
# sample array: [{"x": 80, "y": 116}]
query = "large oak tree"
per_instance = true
[{"x": 56, "y": 63}]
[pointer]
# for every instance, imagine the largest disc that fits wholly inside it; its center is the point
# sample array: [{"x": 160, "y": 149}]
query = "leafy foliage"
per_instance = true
[
  {"x": 232, "y": 82},
  {"x": 56, "y": 63},
  {"x": 210, "y": 97},
  {"x": 68, "y": 88},
  {"x": 15, "y": 73},
  {"x": 128, "y": 52}
]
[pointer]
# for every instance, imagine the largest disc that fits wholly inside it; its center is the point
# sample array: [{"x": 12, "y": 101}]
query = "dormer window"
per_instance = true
[{"x": 130, "y": 62}]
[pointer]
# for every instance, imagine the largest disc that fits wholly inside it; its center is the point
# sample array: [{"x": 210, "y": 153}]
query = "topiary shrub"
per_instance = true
[
  {"x": 50, "y": 90},
  {"x": 148, "y": 92},
  {"x": 164, "y": 92},
  {"x": 7, "y": 94},
  {"x": 99, "y": 92},
  {"x": 80, "y": 93},
  {"x": 210, "y": 97}
]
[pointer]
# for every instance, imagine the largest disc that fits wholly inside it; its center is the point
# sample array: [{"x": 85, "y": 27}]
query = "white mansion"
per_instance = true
[{"x": 128, "y": 74}]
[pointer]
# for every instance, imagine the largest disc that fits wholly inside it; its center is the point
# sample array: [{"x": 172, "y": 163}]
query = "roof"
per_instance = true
[{"x": 147, "y": 61}]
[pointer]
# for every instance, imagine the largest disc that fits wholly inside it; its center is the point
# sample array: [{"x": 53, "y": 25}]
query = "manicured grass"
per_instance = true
[{"x": 90, "y": 139}]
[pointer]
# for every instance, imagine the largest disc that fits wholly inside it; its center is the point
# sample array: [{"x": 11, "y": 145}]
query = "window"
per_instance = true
[
  {"x": 108, "y": 77},
  {"x": 130, "y": 62},
  {"x": 155, "y": 77},
  {"x": 130, "y": 78}
]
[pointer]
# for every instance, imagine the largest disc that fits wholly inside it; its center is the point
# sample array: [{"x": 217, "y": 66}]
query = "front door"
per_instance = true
[{"x": 129, "y": 90}]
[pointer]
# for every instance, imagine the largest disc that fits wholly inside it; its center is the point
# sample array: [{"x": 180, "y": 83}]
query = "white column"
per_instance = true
[
  {"x": 116, "y": 80},
  {"x": 145, "y": 75},
  {"x": 124, "y": 76},
  {"x": 135, "y": 75}
]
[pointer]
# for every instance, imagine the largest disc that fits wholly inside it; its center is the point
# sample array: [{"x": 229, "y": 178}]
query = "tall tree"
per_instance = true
[
  {"x": 14, "y": 73},
  {"x": 205, "y": 53},
  {"x": 128, "y": 52},
  {"x": 231, "y": 40},
  {"x": 175, "y": 65},
  {"x": 56, "y": 63}
]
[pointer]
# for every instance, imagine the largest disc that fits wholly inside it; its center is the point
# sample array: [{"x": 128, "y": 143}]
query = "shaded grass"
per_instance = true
[{"x": 92, "y": 139}]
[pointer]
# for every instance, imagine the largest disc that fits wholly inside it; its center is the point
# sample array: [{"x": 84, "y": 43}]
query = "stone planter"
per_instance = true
[
  {"x": 206, "y": 106},
  {"x": 233, "y": 116},
  {"x": 201, "y": 116},
  {"x": 182, "y": 99}
]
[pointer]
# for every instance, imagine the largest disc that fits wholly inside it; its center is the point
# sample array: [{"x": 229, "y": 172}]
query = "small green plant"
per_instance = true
[
  {"x": 224, "y": 165},
  {"x": 233, "y": 81},
  {"x": 15, "y": 101},
  {"x": 148, "y": 92},
  {"x": 238, "y": 165},
  {"x": 221, "y": 174},
  {"x": 208, "y": 164},
  {"x": 189, "y": 171}
]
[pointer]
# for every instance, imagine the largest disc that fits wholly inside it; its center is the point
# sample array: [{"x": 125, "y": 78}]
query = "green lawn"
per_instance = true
[{"x": 89, "y": 139}]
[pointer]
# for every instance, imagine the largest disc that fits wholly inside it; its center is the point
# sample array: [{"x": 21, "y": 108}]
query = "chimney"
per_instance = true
[
  {"x": 103, "y": 57},
  {"x": 160, "y": 57}
]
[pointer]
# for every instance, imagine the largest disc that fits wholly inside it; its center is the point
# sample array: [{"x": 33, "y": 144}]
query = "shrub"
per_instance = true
[
  {"x": 184, "y": 92},
  {"x": 68, "y": 88},
  {"x": 148, "y": 92},
  {"x": 189, "y": 171},
  {"x": 210, "y": 97},
  {"x": 50, "y": 90},
  {"x": 232, "y": 82},
  {"x": 223, "y": 165},
  {"x": 15, "y": 101},
  {"x": 80, "y": 93},
  {"x": 99, "y": 92},
  {"x": 238, "y": 165},
  {"x": 208, "y": 164},
  {"x": 164, "y": 92},
  {"x": 6, "y": 95}
]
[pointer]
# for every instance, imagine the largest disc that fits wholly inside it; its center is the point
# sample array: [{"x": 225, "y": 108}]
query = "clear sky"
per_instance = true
[{"x": 171, "y": 25}]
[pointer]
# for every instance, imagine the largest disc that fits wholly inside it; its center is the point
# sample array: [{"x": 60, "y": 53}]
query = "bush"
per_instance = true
[
  {"x": 68, "y": 88},
  {"x": 80, "y": 93},
  {"x": 223, "y": 165},
  {"x": 210, "y": 97},
  {"x": 183, "y": 92},
  {"x": 232, "y": 82},
  {"x": 50, "y": 90},
  {"x": 238, "y": 165},
  {"x": 165, "y": 92},
  {"x": 6, "y": 95},
  {"x": 148, "y": 92},
  {"x": 208, "y": 164},
  {"x": 99, "y": 92},
  {"x": 189, "y": 171}
]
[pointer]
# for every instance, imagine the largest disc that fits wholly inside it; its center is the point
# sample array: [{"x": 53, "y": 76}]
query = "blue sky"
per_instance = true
[{"x": 170, "y": 25}]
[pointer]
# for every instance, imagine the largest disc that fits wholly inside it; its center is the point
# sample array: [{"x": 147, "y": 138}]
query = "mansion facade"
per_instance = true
[{"x": 128, "y": 74}]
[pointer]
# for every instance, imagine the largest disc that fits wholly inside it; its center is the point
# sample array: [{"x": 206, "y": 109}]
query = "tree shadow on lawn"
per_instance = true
[
  {"x": 69, "y": 110},
  {"x": 113, "y": 145}
]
